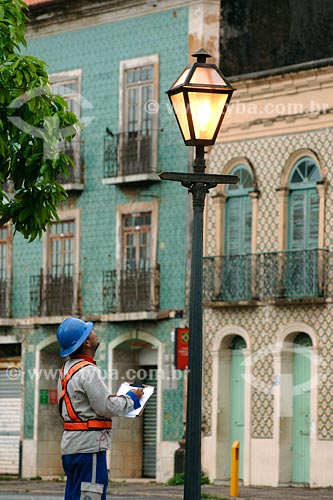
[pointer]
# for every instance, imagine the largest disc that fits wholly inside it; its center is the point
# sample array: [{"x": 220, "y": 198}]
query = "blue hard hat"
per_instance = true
[{"x": 71, "y": 334}]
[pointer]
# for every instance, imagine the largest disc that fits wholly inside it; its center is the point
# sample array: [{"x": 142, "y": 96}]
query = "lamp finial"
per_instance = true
[{"x": 201, "y": 55}]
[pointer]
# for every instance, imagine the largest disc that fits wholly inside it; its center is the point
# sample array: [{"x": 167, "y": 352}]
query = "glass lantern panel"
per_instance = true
[
  {"x": 182, "y": 78},
  {"x": 206, "y": 110},
  {"x": 207, "y": 76},
  {"x": 179, "y": 108}
]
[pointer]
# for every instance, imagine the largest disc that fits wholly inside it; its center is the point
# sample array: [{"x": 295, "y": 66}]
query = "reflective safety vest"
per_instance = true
[{"x": 76, "y": 423}]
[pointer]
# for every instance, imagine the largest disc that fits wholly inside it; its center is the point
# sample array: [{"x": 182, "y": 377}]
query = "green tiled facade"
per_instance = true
[{"x": 97, "y": 52}]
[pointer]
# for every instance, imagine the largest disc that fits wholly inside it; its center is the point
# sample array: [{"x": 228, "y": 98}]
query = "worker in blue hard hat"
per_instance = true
[{"x": 86, "y": 407}]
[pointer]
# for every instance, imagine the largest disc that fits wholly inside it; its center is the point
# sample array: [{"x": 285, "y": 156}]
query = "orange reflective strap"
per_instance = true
[
  {"x": 64, "y": 395},
  {"x": 88, "y": 426},
  {"x": 77, "y": 423},
  {"x": 70, "y": 410},
  {"x": 73, "y": 370}
]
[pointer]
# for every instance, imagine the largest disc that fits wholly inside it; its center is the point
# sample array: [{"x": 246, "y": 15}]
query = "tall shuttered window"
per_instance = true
[
  {"x": 136, "y": 275},
  {"x": 61, "y": 248},
  {"x": 303, "y": 205},
  {"x": 238, "y": 237},
  {"x": 61, "y": 281},
  {"x": 139, "y": 121},
  {"x": 136, "y": 241},
  {"x": 303, "y": 256}
]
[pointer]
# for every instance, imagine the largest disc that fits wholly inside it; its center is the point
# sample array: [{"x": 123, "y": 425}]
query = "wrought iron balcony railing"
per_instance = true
[
  {"x": 128, "y": 153},
  {"x": 131, "y": 291},
  {"x": 231, "y": 278},
  {"x": 4, "y": 298},
  {"x": 297, "y": 274},
  {"x": 54, "y": 295},
  {"x": 74, "y": 149}
]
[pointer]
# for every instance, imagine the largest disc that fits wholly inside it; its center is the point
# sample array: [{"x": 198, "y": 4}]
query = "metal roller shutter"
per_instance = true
[
  {"x": 150, "y": 430},
  {"x": 10, "y": 418}
]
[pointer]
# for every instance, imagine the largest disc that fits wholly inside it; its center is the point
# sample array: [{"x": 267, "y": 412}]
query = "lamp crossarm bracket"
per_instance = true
[{"x": 188, "y": 179}]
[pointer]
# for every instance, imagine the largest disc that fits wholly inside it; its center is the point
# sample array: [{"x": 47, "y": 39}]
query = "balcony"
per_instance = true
[
  {"x": 129, "y": 157},
  {"x": 4, "y": 298},
  {"x": 297, "y": 274},
  {"x": 54, "y": 295},
  {"x": 131, "y": 291},
  {"x": 75, "y": 179},
  {"x": 278, "y": 276},
  {"x": 231, "y": 278}
]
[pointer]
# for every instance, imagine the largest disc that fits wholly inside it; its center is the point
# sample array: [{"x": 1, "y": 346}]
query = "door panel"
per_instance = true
[
  {"x": 237, "y": 398},
  {"x": 301, "y": 415}
]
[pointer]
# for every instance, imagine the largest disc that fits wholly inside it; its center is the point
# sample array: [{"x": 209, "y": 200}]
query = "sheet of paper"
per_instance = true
[{"x": 148, "y": 391}]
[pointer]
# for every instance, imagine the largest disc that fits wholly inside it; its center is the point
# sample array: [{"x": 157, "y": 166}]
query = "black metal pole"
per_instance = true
[
  {"x": 192, "y": 484},
  {"x": 198, "y": 185}
]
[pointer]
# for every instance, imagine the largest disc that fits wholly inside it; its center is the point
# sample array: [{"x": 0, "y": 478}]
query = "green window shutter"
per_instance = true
[
  {"x": 236, "y": 271},
  {"x": 304, "y": 219},
  {"x": 313, "y": 226},
  {"x": 233, "y": 227},
  {"x": 297, "y": 220},
  {"x": 248, "y": 225},
  {"x": 239, "y": 225}
]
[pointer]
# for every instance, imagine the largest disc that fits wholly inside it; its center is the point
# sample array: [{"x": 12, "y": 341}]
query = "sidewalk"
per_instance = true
[{"x": 145, "y": 488}]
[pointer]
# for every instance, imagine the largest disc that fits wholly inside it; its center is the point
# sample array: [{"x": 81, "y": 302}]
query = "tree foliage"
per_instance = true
[{"x": 32, "y": 122}]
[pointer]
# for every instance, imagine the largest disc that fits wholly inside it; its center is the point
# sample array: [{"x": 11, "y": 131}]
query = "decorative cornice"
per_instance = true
[{"x": 60, "y": 17}]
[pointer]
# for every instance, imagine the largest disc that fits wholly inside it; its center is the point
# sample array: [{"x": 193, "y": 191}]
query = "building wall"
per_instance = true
[
  {"x": 257, "y": 37},
  {"x": 268, "y": 144},
  {"x": 95, "y": 40}
]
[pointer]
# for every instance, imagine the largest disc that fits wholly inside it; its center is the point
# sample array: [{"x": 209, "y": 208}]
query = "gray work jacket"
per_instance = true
[{"x": 91, "y": 399}]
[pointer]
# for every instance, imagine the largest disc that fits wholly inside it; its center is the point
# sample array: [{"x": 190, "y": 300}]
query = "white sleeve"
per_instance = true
[{"x": 100, "y": 398}]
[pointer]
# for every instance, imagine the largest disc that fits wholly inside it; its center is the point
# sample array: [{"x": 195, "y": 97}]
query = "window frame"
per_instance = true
[
  {"x": 219, "y": 198},
  {"x": 133, "y": 208},
  {"x": 283, "y": 198},
  {"x": 140, "y": 62},
  {"x": 8, "y": 242},
  {"x": 62, "y": 78},
  {"x": 65, "y": 216}
]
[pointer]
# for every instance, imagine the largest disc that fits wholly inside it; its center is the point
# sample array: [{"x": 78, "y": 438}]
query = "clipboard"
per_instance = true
[{"x": 148, "y": 391}]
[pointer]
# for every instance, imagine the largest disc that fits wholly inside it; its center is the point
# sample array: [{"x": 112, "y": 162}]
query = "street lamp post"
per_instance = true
[{"x": 199, "y": 98}]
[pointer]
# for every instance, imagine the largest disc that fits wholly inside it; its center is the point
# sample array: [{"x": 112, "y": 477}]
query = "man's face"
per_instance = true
[{"x": 94, "y": 340}]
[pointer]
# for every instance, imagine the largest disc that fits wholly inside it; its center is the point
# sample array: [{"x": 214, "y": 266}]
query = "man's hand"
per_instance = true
[{"x": 137, "y": 391}]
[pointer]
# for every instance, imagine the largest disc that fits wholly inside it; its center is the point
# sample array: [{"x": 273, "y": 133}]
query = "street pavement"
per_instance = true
[{"x": 142, "y": 489}]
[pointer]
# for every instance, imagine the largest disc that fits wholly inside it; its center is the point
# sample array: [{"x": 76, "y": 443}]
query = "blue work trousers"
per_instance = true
[{"x": 78, "y": 469}]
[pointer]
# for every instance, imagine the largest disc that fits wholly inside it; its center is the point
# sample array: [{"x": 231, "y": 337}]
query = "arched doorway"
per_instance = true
[
  {"x": 233, "y": 402},
  {"x": 49, "y": 423},
  {"x": 295, "y": 415}
]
